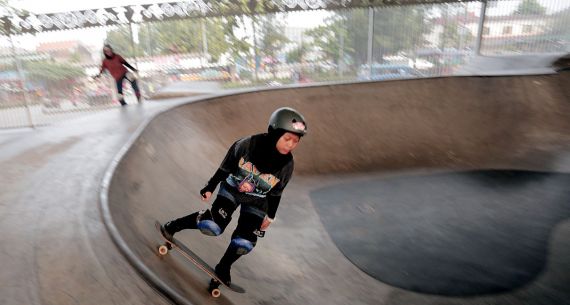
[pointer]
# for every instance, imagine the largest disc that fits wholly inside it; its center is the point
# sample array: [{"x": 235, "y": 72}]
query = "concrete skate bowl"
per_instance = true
[{"x": 410, "y": 191}]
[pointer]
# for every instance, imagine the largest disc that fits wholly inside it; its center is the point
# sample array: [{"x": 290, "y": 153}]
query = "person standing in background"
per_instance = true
[{"x": 117, "y": 67}]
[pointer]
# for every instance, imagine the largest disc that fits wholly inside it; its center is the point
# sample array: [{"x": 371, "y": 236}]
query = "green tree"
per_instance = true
[
  {"x": 238, "y": 47},
  {"x": 180, "y": 36},
  {"x": 395, "y": 29},
  {"x": 450, "y": 36},
  {"x": 216, "y": 40},
  {"x": 271, "y": 40},
  {"x": 52, "y": 71},
  {"x": 121, "y": 41},
  {"x": 530, "y": 7},
  {"x": 399, "y": 29},
  {"x": 270, "y": 35},
  {"x": 299, "y": 53},
  {"x": 330, "y": 38}
]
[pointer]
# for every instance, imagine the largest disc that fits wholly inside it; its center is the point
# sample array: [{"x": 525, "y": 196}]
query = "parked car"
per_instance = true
[{"x": 387, "y": 71}]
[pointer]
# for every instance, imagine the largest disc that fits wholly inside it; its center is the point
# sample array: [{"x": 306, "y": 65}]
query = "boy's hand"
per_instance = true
[
  {"x": 266, "y": 222},
  {"x": 206, "y": 196}
]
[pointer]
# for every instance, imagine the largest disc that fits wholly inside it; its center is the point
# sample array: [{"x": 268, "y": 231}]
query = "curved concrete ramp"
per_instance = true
[
  {"x": 366, "y": 135},
  {"x": 445, "y": 233}
]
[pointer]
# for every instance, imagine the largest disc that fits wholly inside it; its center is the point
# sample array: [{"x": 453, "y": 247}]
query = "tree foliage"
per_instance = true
[
  {"x": 120, "y": 40},
  {"x": 172, "y": 37},
  {"x": 530, "y": 7},
  {"x": 52, "y": 71},
  {"x": 271, "y": 36},
  {"x": 238, "y": 47},
  {"x": 299, "y": 53},
  {"x": 330, "y": 38},
  {"x": 346, "y": 32}
]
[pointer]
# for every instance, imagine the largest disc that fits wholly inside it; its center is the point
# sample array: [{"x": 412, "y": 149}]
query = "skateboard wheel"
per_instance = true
[
  {"x": 215, "y": 292},
  {"x": 163, "y": 250}
]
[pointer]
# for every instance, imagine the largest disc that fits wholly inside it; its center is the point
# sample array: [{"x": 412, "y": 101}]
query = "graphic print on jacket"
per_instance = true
[{"x": 251, "y": 181}]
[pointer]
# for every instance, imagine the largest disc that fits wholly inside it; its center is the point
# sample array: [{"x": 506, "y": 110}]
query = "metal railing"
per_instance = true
[{"x": 45, "y": 77}]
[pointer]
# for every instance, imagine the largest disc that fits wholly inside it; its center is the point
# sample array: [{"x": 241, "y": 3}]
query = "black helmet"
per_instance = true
[{"x": 289, "y": 120}]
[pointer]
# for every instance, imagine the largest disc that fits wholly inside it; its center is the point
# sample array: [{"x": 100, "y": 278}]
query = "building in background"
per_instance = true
[{"x": 66, "y": 51}]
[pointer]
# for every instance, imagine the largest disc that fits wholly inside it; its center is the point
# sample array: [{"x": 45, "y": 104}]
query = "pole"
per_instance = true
[
  {"x": 255, "y": 48},
  {"x": 204, "y": 41},
  {"x": 481, "y": 26},
  {"x": 22, "y": 80},
  {"x": 370, "y": 39},
  {"x": 134, "y": 50},
  {"x": 341, "y": 54}
]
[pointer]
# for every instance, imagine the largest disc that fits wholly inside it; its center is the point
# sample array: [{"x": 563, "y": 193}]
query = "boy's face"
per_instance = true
[
  {"x": 287, "y": 143},
  {"x": 107, "y": 51}
]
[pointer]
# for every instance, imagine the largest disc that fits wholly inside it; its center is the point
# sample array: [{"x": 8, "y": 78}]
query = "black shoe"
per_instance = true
[
  {"x": 213, "y": 285},
  {"x": 223, "y": 274},
  {"x": 167, "y": 233}
]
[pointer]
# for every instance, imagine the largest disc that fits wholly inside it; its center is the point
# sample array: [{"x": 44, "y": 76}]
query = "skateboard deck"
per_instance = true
[{"x": 197, "y": 261}]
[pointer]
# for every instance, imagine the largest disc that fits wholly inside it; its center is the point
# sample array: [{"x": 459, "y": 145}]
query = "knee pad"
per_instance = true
[
  {"x": 206, "y": 224},
  {"x": 241, "y": 246},
  {"x": 209, "y": 227}
]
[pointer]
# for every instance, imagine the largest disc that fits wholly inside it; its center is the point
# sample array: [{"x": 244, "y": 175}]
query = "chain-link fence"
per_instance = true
[
  {"x": 526, "y": 27},
  {"x": 47, "y": 77}
]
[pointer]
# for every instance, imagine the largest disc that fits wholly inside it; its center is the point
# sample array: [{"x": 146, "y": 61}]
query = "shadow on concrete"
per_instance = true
[{"x": 463, "y": 234}]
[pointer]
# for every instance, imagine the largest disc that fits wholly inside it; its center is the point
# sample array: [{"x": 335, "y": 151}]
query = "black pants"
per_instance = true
[
  {"x": 248, "y": 226},
  {"x": 133, "y": 82}
]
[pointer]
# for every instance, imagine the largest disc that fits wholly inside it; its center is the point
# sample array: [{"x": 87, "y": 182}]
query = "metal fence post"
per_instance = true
[
  {"x": 22, "y": 80},
  {"x": 204, "y": 42},
  {"x": 370, "y": 39},
  {"x": 481, "y": 26},
  {"x": 253, "y": 22},
  {"x": 134, "y": 50}
]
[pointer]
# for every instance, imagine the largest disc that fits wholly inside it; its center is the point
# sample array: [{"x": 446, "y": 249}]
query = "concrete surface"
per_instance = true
[
  {"x": 362, "y": 133},
  {"x": 54, "y": 246}
]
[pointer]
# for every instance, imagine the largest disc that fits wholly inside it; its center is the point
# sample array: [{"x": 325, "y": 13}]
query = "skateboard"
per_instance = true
[{"x": 215, "y": 282}]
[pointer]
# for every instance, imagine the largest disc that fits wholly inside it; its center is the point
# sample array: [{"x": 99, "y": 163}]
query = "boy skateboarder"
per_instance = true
[{"x": 253, "y": 175}]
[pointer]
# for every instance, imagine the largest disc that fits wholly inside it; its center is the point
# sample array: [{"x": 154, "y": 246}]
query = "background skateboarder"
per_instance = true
[
  {"x": 253, "y": 174},
  {"x": 115, "y": 64}
]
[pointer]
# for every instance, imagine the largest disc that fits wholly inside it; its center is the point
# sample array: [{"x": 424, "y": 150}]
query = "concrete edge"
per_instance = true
[{"x": 149, "y": 276}]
